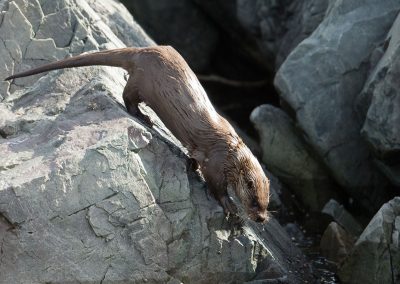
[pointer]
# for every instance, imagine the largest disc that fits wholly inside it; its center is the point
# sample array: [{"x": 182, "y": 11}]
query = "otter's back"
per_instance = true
[{"x": 172, "y": 90}]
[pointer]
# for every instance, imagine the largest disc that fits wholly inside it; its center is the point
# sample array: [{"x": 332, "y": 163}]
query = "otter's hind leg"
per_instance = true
[{"x": 132, "y": 99}]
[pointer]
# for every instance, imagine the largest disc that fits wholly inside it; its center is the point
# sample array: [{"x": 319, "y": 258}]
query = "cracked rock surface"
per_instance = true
[
  {"x": 375, "y": 257},
  {"x": 87, "y": 193},
  {"x": 381, "y": 128},
  {"x": 267, "y": 30},
  {"x": 193, "y": 35},
  {"x": 319, "y": 82}
]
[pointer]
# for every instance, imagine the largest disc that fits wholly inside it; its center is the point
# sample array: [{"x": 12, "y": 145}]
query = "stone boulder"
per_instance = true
[
  {"x": 89, "y": 194},
  {"x": 181, "y": 24},
  {"x": 263, "y": 30},
  {"x": 266, "y": 30},
  {"x": 320, "y": 81},
  {"x": 303, "y": 18},
  {"x": 120, "y": 21},
  {"x": 336, "y": 243},
  {"x": 376, "y": 255},
  {"x": 342, "y": 217},
  {"x": 379, "y": 107},
  {"x": 287, "y": 157}
]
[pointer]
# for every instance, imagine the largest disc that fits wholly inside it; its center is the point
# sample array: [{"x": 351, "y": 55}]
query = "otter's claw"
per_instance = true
[
  {"x": 193, "y": 164},
  {"x": 228, "y": 205},
  {"x": 145, "y": 119}
]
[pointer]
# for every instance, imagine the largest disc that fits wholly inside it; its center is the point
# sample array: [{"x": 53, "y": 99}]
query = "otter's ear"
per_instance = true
[{"x": 250, "y": 183}]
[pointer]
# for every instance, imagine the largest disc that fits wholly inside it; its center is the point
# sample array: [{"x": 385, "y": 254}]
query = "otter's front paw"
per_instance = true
[
  {"x": 228, "y": 205},
  {"x": 145, "y": 119},
  {"x": 192, "y": 164}
]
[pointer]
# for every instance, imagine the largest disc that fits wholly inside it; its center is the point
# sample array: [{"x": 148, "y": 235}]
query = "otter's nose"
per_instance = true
[{"x": 261, "y": 218}]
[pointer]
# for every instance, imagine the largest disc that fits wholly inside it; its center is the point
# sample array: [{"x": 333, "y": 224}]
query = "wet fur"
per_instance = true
[{"x": 161, "y": 78}]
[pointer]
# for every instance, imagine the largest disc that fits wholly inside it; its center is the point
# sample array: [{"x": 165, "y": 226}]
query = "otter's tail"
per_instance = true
[{"x": 115, "y": 57}]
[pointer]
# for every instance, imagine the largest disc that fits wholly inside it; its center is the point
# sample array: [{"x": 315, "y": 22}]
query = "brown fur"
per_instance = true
[{"x": 161, "y": 78}]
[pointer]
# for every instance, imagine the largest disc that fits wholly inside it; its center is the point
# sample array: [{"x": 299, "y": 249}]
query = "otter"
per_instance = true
[{"x": 161, "y": 78}]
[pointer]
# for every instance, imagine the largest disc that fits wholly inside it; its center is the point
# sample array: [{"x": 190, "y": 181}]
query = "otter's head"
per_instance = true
[{"x": 247, "y": 179}]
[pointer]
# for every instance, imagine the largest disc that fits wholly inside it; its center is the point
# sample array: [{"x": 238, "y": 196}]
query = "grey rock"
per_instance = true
[
  {"x": 336, "y": 243},
  {"x": 59, "y": 26},
  {"x": 305, "y": 16},
  {"x": 121, "y": 22},
  {"x": 266, "y": 30},
  {"x": 14, "y": 40},
  {"x": 379, "y": 108},
  {"x": 32, "y": 11},
  {"x": 180, "y": 24},
  {"x": 287, "y": 157},
  {"x": 39, "y": 50},
  {"x": 320, "y": 81},
  {"x": 88, "y": 194},
  {"x": 376, "y": 255},
  {"x": 295, "y": 232},
  {"x": 342, "y": 217}
]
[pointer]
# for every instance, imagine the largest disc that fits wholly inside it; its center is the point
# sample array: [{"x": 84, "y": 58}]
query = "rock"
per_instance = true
[
  {"x": 266, "y": 30},
  {"x": 287, "y": 157},
  {"x": 303, "y": 18},
  {"x": 376, "y": 255},
  {"x": 263, "y": 30},
  {"x": 180, "y": 24},
  {"x": 379, "y": 108},
  {"x": 336, "y": 243},
  {"x": 59, "y": 26},
  {"x": 121, "y": 22},
  {"x": 87, "y": 193},
  {"x": 320, "y": 81},
  {"x": 342, "y": 217},
  {"x": 295, "y": 232}
]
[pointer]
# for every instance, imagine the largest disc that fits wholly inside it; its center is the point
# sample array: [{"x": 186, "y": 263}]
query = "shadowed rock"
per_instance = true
[{"x": 320, "y": 81}]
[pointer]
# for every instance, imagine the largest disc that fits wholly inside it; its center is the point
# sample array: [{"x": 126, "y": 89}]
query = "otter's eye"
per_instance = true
[
  {"x": 250, "y": 184},
  {"x": 254, "y": 203}
]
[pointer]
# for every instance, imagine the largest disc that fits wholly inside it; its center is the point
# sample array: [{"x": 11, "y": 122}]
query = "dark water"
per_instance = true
[
  {"x": 323, "y": 269},
  {"x": 306, "y": 229}
]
